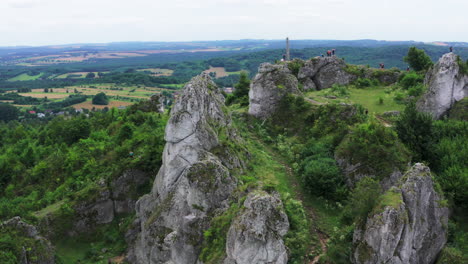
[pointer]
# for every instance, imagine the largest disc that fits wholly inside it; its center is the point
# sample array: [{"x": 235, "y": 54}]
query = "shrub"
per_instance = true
[
  {"x": 298, "y": 236},
  {"x": 321, "y": 176},
  {"x": 416, "y": 90},
  {"x": 363, "y": 82},
  {"x": 411, "y": 79},
  {"x": 376, "y": 148},
  {"x": 362, "y": 200},
  {"x": 295, "y": 65}
]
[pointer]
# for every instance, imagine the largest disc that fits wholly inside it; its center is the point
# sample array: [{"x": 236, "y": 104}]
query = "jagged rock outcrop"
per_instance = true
[
  {"x": 118, "y": 198},
  {"x": 322, "y": 72},
  {"x": 409, "y": 225},
  {"x": 35, "y": 249},
  {"x": 270, "y": 85},
  {"x": 126, "y": 190},
  {"x": 194, "y": 181},
  {"x": 446, "y": 85},
  {"x": 256, "y": 234}
]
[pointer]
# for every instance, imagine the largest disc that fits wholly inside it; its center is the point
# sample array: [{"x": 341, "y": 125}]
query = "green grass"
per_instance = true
[
  {"x": 26, "y": 77},
  {"x": 369, "y": 98},
  {"x": 235, "y": 72},
  {"x": 70, "y": 251},
  {"x": 49, "y": 209}
]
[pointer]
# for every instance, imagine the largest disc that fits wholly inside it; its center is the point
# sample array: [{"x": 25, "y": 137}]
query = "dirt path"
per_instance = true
[{"x": 299, "y": 195}]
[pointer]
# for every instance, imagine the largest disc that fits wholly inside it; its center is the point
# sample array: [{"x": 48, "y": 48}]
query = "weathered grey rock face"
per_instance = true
[
  {"x": 38, "y": 251},
  {"x": 192, "y": 183},
  {"x": 256, "y": 234},
  {"x": 270, "y": 85},
  {"x": 126, "y": 190},
  {"x": 322, "y": 72},
  {"x": 408, "y": 226},
  {"x": 446, "y": 85},
  {"x": 118, "y": 198}
]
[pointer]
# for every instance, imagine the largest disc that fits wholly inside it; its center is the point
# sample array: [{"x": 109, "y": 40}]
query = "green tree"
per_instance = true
[
  {"x": 100, "y": 99},
  {"x": 8, "y": 112},
  {"x": 415, "y": 131},
  {"x": 90, "y": 75},
  {"x": 418, "y": 59},
  {"x": 241, "y": 92}
]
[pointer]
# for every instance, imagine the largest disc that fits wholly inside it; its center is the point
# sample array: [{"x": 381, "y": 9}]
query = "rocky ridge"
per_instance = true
[
  {"x": 270, "y": 85},
  {"x": 408, "y": 226},
  {"x": 322, "y": 72},
  {"x": 446, "y": 86},
  {"x": 194, "y": 181}
]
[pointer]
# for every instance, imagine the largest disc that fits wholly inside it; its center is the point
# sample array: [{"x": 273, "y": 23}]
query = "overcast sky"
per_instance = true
[{"x": 43, "y": 22}]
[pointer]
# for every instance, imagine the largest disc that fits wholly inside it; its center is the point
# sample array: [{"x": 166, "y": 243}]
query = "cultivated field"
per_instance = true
[
  {"x": 157, "y": 71},
  {"x": 25, "y": 77},
  {"x": 113, "y": 103},
  {"x": 220, "y": 71}
]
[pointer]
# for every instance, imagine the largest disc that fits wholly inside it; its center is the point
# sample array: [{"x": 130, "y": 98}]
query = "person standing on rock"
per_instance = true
[
  {"x": 333, "y": 52},
  {"x": 451, "y": 49}
]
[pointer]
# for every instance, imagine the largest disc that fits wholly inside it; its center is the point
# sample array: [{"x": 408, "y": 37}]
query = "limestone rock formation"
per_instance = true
[
  {"x": 194, "y": 181},
  {"x": 256, "y": 234},
  {"x": 408, "y": 226},
  {"x": 35, "y": 248},
  {"x": 322, "y": 72},
  {"x": 126, "y": 190},
  {"x": 270, "y": 85},
  {"x": 118, "y": 198},
  {"x": 446, "y": 85}
]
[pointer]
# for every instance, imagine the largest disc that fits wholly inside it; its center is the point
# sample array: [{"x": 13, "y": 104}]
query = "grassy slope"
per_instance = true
[
  {"x": 369, "y": 98},
  {"x": 269, "y": 168}
]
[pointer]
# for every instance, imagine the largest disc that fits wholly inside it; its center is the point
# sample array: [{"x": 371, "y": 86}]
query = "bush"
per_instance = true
[
  {"x": 411, "y": 79},
  {"x": 416, "y": 90},
  {"x": 298, "y": 236},
  {"x": 376, "y": 148},
  {"x": 362, "y": 200},
  {"x": 321, "y": 176},
  {"x": 364, "y": 83}
]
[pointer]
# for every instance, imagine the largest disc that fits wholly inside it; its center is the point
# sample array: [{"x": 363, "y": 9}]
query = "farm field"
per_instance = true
[
  {"x": 75, "y": 75},
  {"x": 112, "y": 103},
  {"x": 108, "y": 89},
  {"x": 157, "y": 71},
  {"x": 220, "y": 71},
  {"x": 26, "y": 77}
]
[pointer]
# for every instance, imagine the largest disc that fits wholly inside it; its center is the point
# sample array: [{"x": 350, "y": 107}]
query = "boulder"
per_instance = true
[
  {"x": 255, "y": 236},
  {"x": 322, "y": 72},
  {"x": 446, "y": 85},
  {"x": 270, "y": 85},
  {"x": 193, "y": 183},
  {"x": 34, "y": 248},
  {"x": 409, "y": 225}
]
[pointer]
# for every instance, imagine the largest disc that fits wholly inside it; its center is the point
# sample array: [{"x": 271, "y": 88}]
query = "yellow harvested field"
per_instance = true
[
  {"x": 220, "y": 71},
  {"x": 112, "y": 103},
  {"x": 43, "y": 95}
]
